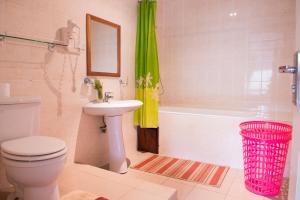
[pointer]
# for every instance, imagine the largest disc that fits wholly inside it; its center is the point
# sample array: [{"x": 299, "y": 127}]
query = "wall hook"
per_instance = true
[
  {"x": 2, "y": 38},
  {"x": 124, "y": 83},
  {"x": 51, "y": 46}
]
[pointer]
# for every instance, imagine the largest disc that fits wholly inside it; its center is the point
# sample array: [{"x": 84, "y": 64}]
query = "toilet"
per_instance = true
[{"x": 32, "y": 162}]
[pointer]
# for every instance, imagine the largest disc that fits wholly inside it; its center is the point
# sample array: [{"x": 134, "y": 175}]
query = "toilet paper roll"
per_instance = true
[{"x": 4, "y": 90}]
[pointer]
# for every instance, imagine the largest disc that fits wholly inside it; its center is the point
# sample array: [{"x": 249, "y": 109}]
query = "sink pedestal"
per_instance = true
[
  {"x": 117, "y": 157},
  {"x": 112, "y": 112}
]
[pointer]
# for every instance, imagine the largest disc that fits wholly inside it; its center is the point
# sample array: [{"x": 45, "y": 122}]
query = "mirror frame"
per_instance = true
[{"x": 90, "y": 18}]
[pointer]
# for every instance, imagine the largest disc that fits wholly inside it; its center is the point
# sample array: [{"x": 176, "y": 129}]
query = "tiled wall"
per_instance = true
[
  {"x": 211, "y": 59},
  {"x": 32, "y": 70}
]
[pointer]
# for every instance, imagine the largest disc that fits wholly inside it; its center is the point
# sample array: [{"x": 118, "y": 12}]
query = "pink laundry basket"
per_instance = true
[{"x": 265, "y": 147}]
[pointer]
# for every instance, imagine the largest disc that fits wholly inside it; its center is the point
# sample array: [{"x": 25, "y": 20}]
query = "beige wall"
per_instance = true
[
  {"x": 32, "y": 70},
  {"x": 210, "y": 59}
]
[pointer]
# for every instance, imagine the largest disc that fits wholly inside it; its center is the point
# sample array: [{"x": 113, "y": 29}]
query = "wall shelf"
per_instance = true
[{"x": 50, "y": 44}]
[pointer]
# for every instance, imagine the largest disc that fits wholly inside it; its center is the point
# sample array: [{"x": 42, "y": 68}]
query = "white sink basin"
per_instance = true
[{"x": 112, "y": 108}]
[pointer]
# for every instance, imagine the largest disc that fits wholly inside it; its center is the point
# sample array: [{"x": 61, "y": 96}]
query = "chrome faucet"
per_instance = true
[{"x": 108, "y": 96}]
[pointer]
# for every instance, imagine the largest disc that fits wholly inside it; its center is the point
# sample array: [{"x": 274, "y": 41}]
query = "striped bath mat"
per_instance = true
[{"x": 207, "y": 174}]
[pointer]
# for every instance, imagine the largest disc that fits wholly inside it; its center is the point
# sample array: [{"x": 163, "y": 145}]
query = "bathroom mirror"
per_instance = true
[{"x": 103, "y": 47}]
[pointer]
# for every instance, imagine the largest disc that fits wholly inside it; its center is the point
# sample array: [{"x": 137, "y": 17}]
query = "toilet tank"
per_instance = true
[{"x": 19, "y": 117}]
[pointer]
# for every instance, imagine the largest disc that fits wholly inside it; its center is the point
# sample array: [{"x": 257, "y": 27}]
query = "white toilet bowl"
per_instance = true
[{"x": 33, "y": 165}]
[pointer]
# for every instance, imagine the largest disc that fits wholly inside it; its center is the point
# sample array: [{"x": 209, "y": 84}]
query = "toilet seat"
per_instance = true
[
  {"x": 33, "y": 158},
  {"x": 33, "y": 148}
]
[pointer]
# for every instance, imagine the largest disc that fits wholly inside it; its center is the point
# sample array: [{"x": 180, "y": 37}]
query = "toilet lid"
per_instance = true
[
  {"x": 33, "y": 158},
  {"x": 33, "y": 146}
]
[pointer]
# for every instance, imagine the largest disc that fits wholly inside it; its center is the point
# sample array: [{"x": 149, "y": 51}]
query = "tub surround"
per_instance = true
[{"x": 222, "y": 59}]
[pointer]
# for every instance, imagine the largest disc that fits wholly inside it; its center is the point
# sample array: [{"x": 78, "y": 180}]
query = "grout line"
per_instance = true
[
  {"x": 132, "y": 189},
  {"x": 231, "y": 183}
]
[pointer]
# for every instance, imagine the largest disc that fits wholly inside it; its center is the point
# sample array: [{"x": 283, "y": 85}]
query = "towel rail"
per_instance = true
[{"x": 51, "y": 45}]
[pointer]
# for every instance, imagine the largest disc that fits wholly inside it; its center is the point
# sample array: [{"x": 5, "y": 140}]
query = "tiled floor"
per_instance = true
[
  {"x": 138, "y": 185},
  {"x": 232, "y": 188},
  {"x": 112, "y": 185},
  {"x": 194, "y": 191}
]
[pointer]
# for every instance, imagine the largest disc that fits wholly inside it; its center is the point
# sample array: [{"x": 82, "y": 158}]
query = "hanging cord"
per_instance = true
[{"x": 73, "y": 70}]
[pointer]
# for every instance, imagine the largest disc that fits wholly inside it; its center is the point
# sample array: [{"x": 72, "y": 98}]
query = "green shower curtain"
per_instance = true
[{"x": 146, "y": 66}]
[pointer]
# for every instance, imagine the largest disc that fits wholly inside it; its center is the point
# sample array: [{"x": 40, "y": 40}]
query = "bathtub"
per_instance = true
[{"x": 206, "y": 135}]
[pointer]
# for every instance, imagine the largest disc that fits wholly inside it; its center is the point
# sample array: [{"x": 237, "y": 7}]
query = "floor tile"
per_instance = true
[
  {"x": 113, "y": 185},
  {"x": 79, "y": 195},
  {"x": 225, "y": 186},
  {"x": 183, "y": 187},
  {"x": 238, "y": 191},
  {"x": 63, "y": 190},
  {"x": 156, "y": 189},
  {"x": 140, "y": 195},
  {"x": 119, "y": 178},
  {"x": 153, "y": 178},
  {"x": 93, "y": 184},
  {"x": 284, "y": 191},
  {"x": 203, "y": 194},
  {"x": 138, "y": 157}
]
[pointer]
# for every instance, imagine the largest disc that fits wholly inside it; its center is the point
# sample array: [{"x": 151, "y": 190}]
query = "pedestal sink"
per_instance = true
[{"x": 112, "y": 112}]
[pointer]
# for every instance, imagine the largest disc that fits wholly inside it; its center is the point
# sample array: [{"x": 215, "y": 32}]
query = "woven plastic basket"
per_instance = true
[{"x": 265, "y": 147}]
